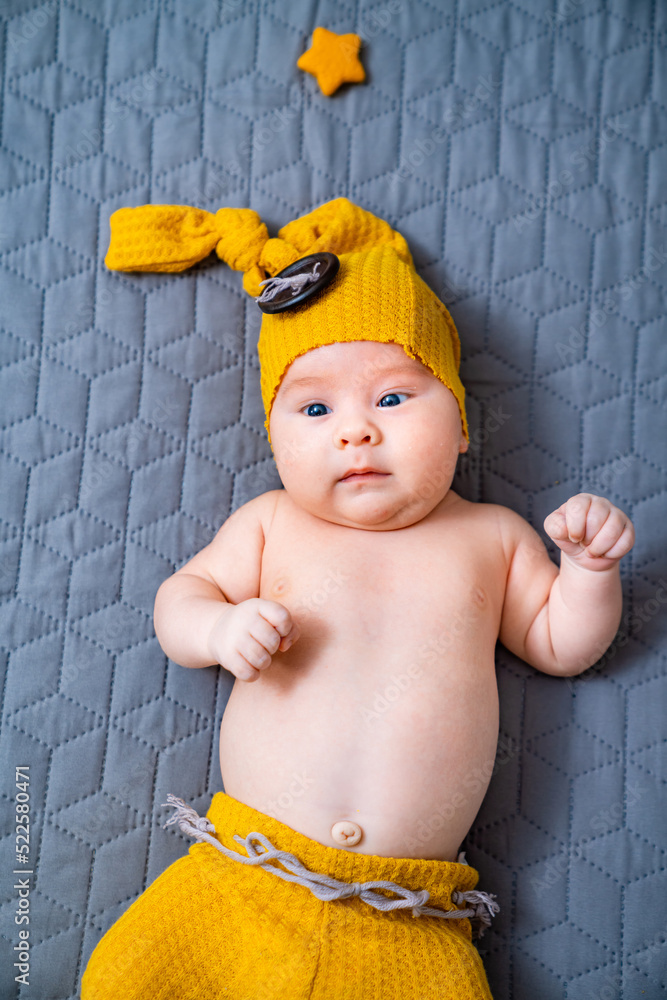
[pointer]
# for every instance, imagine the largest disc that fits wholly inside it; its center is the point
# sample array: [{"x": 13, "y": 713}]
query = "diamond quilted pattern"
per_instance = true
[
  {"x": 54, "y": 86},
  {"x": 582, "y": 953},
  {"x": 521, "y": 148},
  {"x": 53, "y": 719},
  {"x": 73, "y": 535},
  {"x": 176, "y": 723}
]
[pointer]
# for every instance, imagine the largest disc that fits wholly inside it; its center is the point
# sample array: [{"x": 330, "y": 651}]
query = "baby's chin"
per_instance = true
[{"x": 371, "y": 512}]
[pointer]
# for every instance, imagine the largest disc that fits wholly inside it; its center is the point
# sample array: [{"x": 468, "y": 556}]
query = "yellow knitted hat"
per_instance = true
[{"x": 376, "y": 293}]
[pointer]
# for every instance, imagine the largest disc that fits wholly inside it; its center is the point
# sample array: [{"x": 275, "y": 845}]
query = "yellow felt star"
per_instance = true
[{"x": 333, "y": 59}]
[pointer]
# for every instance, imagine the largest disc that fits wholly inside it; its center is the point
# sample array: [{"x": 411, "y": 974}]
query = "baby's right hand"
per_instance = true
[{"x": 246, "y": 635}]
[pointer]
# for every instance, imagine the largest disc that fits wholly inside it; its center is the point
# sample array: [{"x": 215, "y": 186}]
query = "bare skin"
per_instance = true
[{"x": 360, "y": 616}]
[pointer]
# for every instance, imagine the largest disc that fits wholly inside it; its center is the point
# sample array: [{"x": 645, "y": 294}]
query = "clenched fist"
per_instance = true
[
  {"x": 246, "y": 636},
  {"x": 591, "y": 531}
]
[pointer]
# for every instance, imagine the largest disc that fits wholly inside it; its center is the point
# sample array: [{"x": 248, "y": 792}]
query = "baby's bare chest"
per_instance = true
[{"x": 432, "y": 582}]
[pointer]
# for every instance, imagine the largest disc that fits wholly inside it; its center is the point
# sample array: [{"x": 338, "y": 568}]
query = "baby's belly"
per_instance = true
[{"x": 400, "y": 742}]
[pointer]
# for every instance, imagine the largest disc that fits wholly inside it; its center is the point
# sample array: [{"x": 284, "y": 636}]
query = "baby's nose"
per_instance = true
[
  {"x": 356, "y": 430},
  {"x": 351, "y": 438}
]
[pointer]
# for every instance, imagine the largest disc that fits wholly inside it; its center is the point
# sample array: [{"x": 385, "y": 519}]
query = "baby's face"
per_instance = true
[{"x": 365, "y": 405}]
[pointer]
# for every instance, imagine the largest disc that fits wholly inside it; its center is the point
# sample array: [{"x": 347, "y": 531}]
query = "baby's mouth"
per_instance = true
[{"x": 367, "y": 475}]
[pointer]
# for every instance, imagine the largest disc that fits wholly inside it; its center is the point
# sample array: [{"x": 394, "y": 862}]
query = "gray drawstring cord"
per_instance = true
[
  {"x": 325, "y": 887},
  {"x": 296, "y": 283}
]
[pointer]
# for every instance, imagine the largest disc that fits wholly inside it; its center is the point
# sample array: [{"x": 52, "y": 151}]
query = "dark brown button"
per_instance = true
[{"x": 297, "y": 282}]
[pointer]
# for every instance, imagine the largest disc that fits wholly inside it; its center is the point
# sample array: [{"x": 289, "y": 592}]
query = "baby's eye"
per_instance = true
[
  {"x": 311, "y": 405},
  {"x": 393, "y": 396}
]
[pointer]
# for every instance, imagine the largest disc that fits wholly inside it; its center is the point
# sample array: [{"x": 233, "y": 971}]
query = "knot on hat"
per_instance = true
[
  {"x": 240, "y": 236},
  {"x": 174, "y": 237},
  {"x": 244, "y": 244}
]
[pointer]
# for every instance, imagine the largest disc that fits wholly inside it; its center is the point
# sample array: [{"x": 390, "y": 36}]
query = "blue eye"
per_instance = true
[
  {"x": 323, "y": 407},
  {"x": 310, "y": 406},
  {"x": 395, "y": 395}
]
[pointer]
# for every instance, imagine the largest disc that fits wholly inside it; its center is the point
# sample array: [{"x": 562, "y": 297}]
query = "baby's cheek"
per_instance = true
[
  {"x": 442, "y": 453},
  {"x": 433, "y": 474}
]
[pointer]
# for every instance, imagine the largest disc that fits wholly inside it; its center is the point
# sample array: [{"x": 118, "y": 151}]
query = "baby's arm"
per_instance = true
[
  {"x": 562, "y": 622},
  {"x": 210, "y": 611}
]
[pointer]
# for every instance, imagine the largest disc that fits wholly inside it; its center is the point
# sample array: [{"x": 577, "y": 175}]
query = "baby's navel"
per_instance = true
[{"x": 346, "y": 833}]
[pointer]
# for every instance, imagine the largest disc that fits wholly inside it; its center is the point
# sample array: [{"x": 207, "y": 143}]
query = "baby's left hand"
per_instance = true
[{"x": 591, "y": 531}]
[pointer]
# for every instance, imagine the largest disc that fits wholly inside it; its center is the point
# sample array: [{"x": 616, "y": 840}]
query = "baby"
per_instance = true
[{"x": 366, "y": 573}]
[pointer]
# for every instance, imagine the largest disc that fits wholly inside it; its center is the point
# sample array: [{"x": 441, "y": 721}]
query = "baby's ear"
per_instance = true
[{"x": 463, "y": 444}]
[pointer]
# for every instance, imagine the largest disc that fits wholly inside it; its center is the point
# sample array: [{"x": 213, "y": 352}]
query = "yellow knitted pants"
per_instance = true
[{"x": 210, "y": 927}]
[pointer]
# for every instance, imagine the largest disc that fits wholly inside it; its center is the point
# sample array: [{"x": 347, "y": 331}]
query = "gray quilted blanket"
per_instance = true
[{"x": 521, "y": 148}]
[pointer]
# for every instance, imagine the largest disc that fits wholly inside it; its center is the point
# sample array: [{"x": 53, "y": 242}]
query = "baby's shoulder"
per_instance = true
[
  {"x": 482, "y": 512},
  {"x": 260, "y": 510},
  {"x": 260, "y": 504},
  {"x": 493, "y": 520}
]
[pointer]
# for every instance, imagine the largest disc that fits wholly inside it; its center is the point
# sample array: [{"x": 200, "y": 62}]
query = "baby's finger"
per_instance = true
[
  {"x": 555, "y": 525},
  {"x": 624, "y": 542},
  {"x": 239, "y": 666},
  {"x": 598, "y": 519},
  {"x": 576, "y": 512},
  {"x": 288, "y": 640},
  {"x": 602, "y": 540},
  {"x": 257, "y": 653},
  {"x": 277, "y": 615}
]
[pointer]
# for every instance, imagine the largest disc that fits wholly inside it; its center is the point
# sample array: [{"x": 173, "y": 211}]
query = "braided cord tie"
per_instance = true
[{"x": 323, "y": 886}]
